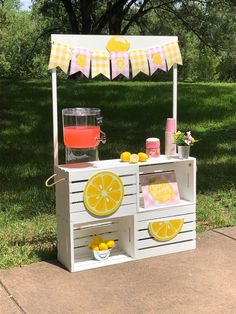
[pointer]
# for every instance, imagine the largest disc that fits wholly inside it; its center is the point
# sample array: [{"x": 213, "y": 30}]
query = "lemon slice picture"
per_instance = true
[
  {"x": 161, "y": 190},
  {"x": 165, "y": 230},
  {"x": 103, "y": 193}
]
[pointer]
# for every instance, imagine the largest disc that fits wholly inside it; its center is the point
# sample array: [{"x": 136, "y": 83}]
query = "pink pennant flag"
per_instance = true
[
  {"x": 80, "y": 61},
  {"x": 156, "y": 59},
  {"x": 119, "y": 64}
]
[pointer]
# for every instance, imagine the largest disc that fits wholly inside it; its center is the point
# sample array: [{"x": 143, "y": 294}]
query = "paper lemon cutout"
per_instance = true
[
  {"x": 120, "y": 63},
  {"x": 81, "y": 60},
  {"x": 118, "y": 44},
  {"x": 157, "y": 59},
  {"x": 161, "y": 190},
  {"x": 103, "y": 193},
  {"x": 165, "y": 230}
]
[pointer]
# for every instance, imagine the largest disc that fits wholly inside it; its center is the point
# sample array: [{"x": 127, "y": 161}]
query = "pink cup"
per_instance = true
[{"x": 170, "y": 125}]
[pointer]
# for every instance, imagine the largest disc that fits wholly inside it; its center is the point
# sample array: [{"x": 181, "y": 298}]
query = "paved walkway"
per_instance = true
[{"x": 199, "y": 281}]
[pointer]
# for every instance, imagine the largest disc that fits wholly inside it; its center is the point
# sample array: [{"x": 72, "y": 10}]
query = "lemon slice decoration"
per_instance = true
[
  {"x": 103, "y": 193},
  {"x": 160, "y": 190},
  {"x": 157, "y": 59},
  {"x": 118, "y": 44},
  {"x": 81, "y": 60},
  {"x": 165, "y": 230}
]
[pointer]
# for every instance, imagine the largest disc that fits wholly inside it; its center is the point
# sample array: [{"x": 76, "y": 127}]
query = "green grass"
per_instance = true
[{"x": 132, "y": 112}]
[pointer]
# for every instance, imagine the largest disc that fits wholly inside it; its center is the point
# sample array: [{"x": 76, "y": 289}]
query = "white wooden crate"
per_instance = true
[
  {"x": 128, "y": 226},
  {"x": 147, "y": 246},
  {"x": 69, "y": 192}
]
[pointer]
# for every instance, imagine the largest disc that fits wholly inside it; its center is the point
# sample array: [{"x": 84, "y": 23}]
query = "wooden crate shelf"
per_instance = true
[{"x": 128, "y": 226}]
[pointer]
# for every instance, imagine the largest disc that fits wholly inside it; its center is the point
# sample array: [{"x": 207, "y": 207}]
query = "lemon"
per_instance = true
[
  {"x": 103, "y": 193},
  {"x": 160, "y": 190},
  {"x": 125, "y": 156},
  {"x": 142, "y": 156},
  {"x": 165, "y": 230},
  {"x": 94, "y": 247},
  {"x": 103, "y": 246},
  {"x": 134, "y": 158},
  {"x": 110, "y": 243},
  {"x": 97, "y": 240},
  {"x": 118, "y": 44}
]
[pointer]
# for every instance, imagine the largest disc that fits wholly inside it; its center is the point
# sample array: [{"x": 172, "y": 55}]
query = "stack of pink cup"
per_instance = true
[{"x": 170, "y": 147}]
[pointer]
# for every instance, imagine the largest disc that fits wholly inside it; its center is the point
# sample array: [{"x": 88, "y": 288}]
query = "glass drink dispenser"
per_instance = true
[{"x": 82, "y": 134}]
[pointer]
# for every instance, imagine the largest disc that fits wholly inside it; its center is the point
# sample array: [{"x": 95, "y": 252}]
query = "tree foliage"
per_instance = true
[{"x": 206, "y": 31}]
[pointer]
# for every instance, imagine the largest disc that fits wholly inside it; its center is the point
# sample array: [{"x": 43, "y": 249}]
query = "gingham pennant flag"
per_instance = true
[
  {"x": 119, "y": 64},
  {"x": 156, "y": 59},
  {"x": 139, "y": 62},
  {"x": 100, "y": 63},
  {"x": 80, "y": 61},
  {"x": 60, "y": 56},
  {"x": 172, "y": 54}
]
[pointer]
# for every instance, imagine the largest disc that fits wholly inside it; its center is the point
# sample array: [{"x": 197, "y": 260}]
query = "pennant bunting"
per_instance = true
[
  {"x": 156, "y": 59},
  {"x": 100, "y": 63},
  {"x": 119, "y": 64},
  {"x": 60, "y": 56},
  {"x": 172, "y": 54},
  {"x": 139, "y": 62},
  {"x": 80, "y": 61}
]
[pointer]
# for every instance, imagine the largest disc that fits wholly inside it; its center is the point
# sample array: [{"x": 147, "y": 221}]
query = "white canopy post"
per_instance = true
[
  {"x": 174, "y": 110},
  {"x": 54, "y": 114}
]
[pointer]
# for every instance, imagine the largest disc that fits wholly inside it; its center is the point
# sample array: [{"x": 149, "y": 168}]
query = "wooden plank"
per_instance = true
[
  {"x": 166, "y": 249},
  {"x": 79, "y": 186},
  {"x": 89, "y": 263},
  {"x": 98, "y": 230},
  {"x": 164, "y": 213},
  {"x": 79, "y": 205},
  {"x": 85, "y": 216},
  {"x": 78, "y": 196},
  {"x": 151, "y": 242},
  {"x": 85, "y": 251},
  {"x": 162, "y": 207},
  {"x": 143, "y": 224},
  {"x": 88, "y": 173},
  {"x": 190, "y": 226},
  {"x": 86, "y": 240}
]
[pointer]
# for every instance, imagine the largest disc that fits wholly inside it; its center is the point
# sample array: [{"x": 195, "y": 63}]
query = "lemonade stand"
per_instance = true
[{"x": 146, "y": 208}]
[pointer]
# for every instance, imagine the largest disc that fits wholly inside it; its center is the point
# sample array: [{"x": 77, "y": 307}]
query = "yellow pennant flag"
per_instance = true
[
  {"x": 60, "y": 56},
  {"x": 139, "y": 62},
  {"x": 172, "y": 54},
  {"x": 100, "y": 63}
]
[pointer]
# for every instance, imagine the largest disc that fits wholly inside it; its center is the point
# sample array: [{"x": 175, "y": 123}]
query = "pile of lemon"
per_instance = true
[
  {"x": 98, "y": 244},
  {"x": 133, "y": 158}
]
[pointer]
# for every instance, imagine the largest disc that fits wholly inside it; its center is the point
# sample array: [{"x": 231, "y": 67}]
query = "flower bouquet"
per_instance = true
[{"x": 184, "y": 140}]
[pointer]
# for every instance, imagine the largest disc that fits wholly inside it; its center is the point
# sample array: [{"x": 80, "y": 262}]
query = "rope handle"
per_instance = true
[{"x": 48, "y": 185}]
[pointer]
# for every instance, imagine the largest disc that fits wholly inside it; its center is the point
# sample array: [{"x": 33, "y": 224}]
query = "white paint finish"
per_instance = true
[
  {"x": 115, "y": 258},
  {"x": 164, "y": 213},
  {"x": 84, "y": 241},
  {"x": 163, "y": 207},
  {"x": 143, "y": 224},
  {"x": 100, "y": 41},
  {"x": 78, "y": 197},
  {"x": 147, "y": 243},
  {"x": 85, "y": 216},
  {"x": 166, "y": 249},
  {"x": 55, "y": 118},
  {"x": 187, "y": 226},
  {"x": 103, "y": 165},
  {"x": 80, "y": 207}
]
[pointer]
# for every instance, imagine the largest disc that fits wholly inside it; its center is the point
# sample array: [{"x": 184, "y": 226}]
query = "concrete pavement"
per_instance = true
[{"x": 199, "y": 281}]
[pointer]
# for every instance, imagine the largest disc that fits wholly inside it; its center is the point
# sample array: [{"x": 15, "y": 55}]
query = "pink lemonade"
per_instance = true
[{"x": 81, "y": 136}]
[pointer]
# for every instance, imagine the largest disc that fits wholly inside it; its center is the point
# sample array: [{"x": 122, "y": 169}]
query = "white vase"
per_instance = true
[{"x": 183, "y": 152}]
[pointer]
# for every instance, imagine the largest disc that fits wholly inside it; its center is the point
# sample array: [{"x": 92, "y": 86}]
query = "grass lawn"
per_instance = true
[{"x": 132, "y": 112}]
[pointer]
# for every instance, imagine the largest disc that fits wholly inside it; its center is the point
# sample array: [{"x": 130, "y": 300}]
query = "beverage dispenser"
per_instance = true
[{"x": 82, "y": 134}]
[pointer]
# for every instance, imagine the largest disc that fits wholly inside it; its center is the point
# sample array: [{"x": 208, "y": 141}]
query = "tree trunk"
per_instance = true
[{"x": 86, "y": 15}]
